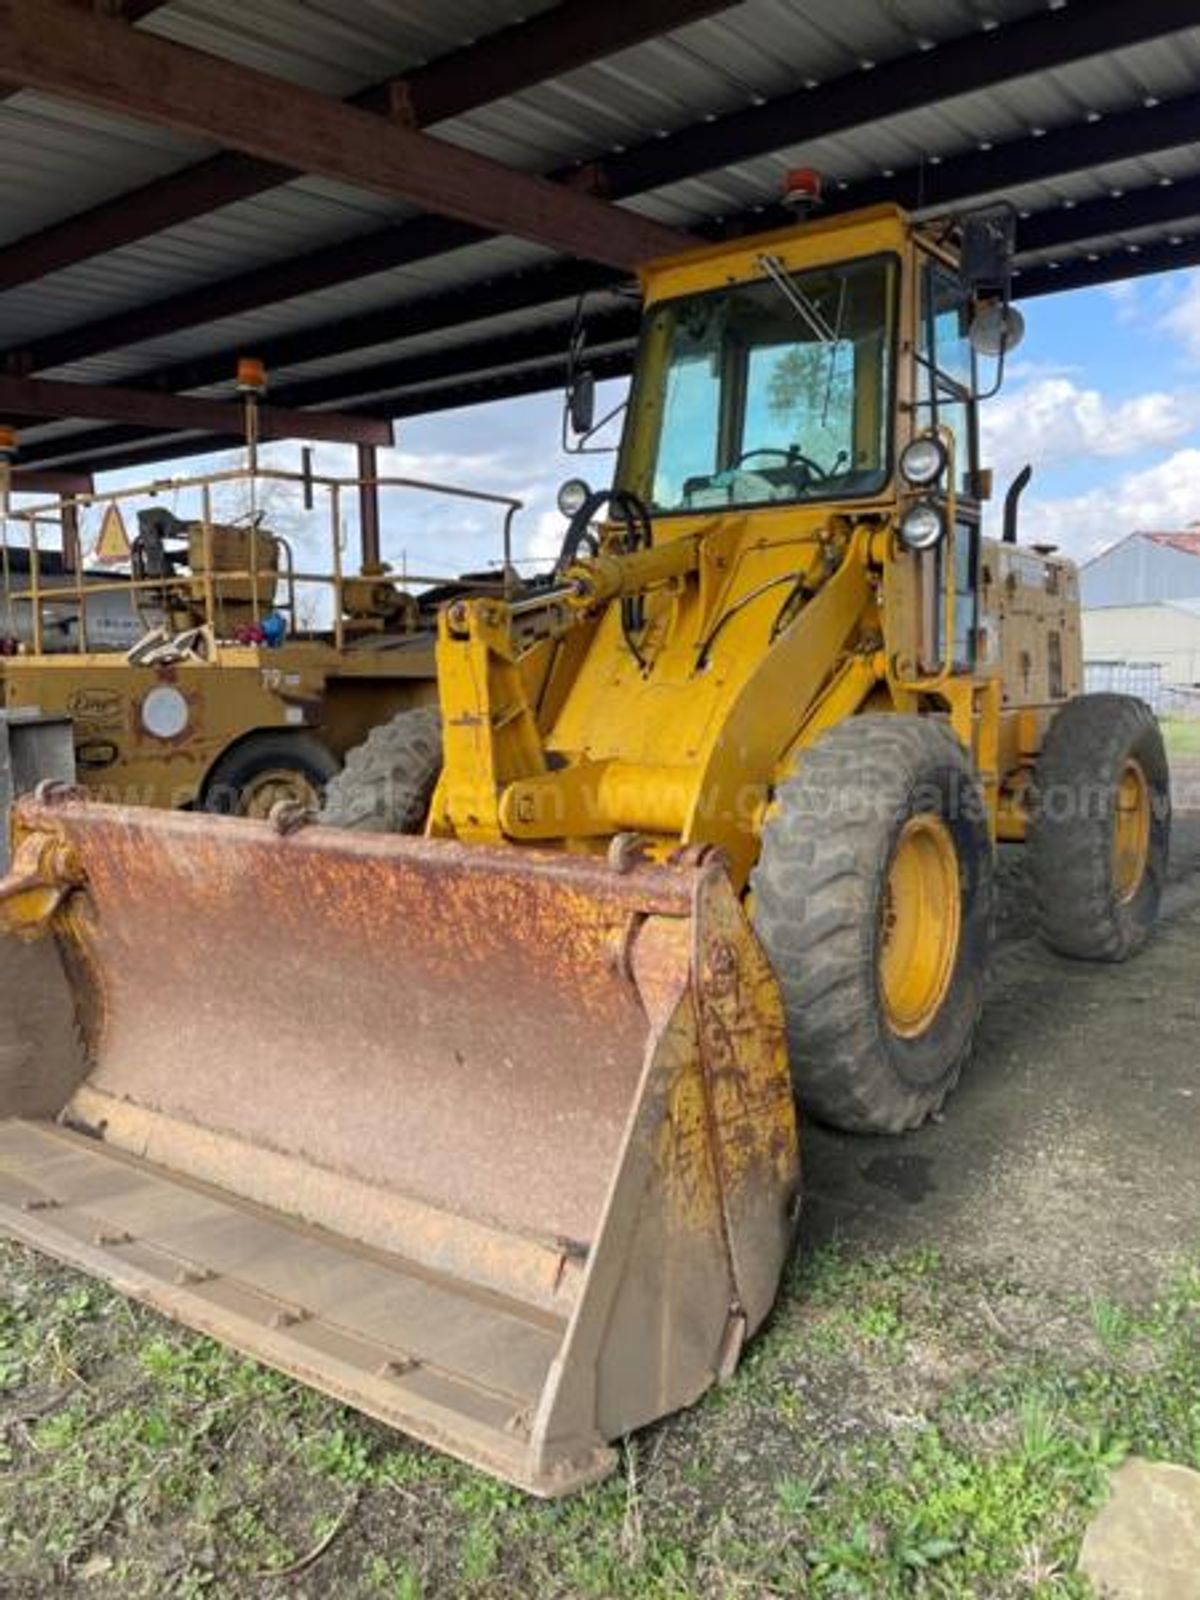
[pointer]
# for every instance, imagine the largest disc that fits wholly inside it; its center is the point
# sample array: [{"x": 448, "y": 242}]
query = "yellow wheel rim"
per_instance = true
[
  {"x": 922, "y": 926},
  {"x": 264, "y": 792},
  {"x": 1131, "y": 834}
]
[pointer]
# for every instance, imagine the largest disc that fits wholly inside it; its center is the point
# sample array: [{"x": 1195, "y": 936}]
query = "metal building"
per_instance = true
[
  {"x": 1143, "y": 569},
  {"x": 1141, "y": 617}
]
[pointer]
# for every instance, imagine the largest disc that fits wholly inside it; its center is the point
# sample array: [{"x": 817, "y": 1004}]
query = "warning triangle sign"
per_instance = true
[{"x": 112, "y": 547}]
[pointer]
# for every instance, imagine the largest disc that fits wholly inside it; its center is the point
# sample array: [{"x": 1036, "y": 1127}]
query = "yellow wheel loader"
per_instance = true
[{"x": 491, "y": 1130}]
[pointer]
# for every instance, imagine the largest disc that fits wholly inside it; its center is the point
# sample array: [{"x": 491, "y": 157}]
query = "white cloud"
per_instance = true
[
  {"x": 1165, "y": 496},
  {"x": 1126, "y": 299},
  {"x": 546, "y": 540},
  {"x": 1182, "y": 318},
  {"x": 1053, "y": 421}
]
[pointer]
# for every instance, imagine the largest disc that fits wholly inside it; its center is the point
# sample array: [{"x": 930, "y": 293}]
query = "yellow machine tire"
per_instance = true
[
  {"x": 1100, "y": 828},
  {"x": 876, "y": 1046},
  {"x": 387, "y": 782},
  {"x": 269, "y": 755}
]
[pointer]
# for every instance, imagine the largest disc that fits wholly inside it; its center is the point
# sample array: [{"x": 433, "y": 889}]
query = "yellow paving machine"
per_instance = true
[
  {"x": 491, "y": 1130},
  {"x": 217, "y": 666}
]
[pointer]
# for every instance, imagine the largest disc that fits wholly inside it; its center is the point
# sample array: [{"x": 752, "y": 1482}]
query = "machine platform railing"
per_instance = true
[{"x": 267, "y": 579}]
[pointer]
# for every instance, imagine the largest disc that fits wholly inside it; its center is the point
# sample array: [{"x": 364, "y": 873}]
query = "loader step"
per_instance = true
[{"x": 455, "y": 1367}]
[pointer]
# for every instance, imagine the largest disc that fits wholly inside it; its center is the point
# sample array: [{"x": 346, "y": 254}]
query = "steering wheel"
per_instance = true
[
  {"x": 791, "y": 457},
  {"x": 630, "y": 510},
  {"x": 639, "y": 535}
]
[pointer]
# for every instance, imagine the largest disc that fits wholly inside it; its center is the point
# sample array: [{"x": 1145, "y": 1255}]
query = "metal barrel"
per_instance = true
[{"x": 497, "y": 1146}]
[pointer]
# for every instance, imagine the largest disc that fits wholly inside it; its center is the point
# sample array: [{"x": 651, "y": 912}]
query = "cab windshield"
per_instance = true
[{"x": 772, "y": 391}]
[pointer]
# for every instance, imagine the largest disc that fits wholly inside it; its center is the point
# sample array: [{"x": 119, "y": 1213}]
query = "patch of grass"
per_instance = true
[
  {"x": 1182, "y": 735},
  {"x": 903, "y": 1428}
]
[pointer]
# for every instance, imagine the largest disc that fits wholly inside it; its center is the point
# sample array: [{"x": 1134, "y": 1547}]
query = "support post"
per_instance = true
[
  {"x": 368, "y": 506},
  {"x": 71, "y": 556}
]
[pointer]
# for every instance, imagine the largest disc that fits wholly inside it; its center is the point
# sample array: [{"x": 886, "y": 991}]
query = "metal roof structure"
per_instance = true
[{"x": 397, "y": 204}]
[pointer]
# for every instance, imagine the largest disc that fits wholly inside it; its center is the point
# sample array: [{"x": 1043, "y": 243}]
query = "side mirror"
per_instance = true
[
  {"x": 989, "y": 243},
  {"x": 581, "y": 404},
  {"x": 996, "y": 329}
]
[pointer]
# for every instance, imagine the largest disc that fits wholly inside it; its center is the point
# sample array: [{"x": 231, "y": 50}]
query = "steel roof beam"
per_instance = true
[
  {"x": 1100, "y": 267},
  {"x": 544, "y": 342},
  {"x": 126, "y": 10},
  {"x": 33, "y": 481},
  {"x": 51, "y": 46},
  {"x": 963, "y": 65},
  {"x": 1157, "y": 205},
  {"x": 128, "y": 448},
  {"x": 425, "y": 238},
  {"x": 972, "y": 62},
  {"x": 472, "y": 387},
  {"x": 503, "y": 63},
  {"x": 41, "y": 397},
  {"x": 455, "y": 308},
  {"x": 951, "y": 181}
]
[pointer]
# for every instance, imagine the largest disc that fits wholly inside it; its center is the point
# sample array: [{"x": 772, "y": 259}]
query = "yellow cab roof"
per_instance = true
[{"x": 808, "y": 243}]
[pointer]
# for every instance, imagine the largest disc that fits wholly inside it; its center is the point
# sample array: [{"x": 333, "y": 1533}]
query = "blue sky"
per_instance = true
[{"x": 1103, "y": 399}]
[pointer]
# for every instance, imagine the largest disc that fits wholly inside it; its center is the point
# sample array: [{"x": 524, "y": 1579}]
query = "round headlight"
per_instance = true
[
  {"x": 922, "y": 526},
  {"x": 573, "y": 496},
  {"x": 923, "y": 461}
]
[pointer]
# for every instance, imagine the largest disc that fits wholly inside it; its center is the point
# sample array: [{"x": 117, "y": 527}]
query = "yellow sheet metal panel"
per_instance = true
[
  {"x": 149, "y": 735},
  {"x": 871, "y": 231}
]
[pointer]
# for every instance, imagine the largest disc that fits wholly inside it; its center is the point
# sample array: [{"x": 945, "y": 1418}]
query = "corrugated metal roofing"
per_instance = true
[
  {"x": 63, "y": 159},
  {"x": 1188, "y": 543}
]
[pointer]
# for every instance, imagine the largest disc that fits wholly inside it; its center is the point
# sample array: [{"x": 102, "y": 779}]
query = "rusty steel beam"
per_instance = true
[
  {"x": 49, "y": 45},
  {"x": 125, "y": 10},
  {"x": 541, "y": 47},
  {"x": 1056, "y": 228},
  {"x": 568, "y": 36},
  {"x": 108, "y": 449},
  {"x": 43, "y": 397},
  {"x": 38, "y": 480},
  {"x": 122, "y": 10},
  {"x": 212, "y": 302},
  {"x": 484, "y": 359},
  {"x": 974, "y": 61},
  {"x": 956, "y": 180}
]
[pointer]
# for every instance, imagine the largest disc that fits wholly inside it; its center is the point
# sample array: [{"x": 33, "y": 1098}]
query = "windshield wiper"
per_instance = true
[{"x": 808, "y": 312}]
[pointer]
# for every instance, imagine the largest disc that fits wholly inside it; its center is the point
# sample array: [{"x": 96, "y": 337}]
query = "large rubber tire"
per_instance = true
[
  {"x": 820, "y": 895},
  {"x": 387, "y": 783},
  {"x": 1082, "y": 909},
  {"x": 267, "y": 767}
]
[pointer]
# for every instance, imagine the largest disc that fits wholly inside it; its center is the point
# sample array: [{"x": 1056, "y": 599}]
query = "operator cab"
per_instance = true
[{"x": 769, "y": 392}]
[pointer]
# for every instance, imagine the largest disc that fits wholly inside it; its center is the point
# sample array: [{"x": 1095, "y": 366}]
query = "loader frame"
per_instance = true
[{"x": 559, "y": 732}]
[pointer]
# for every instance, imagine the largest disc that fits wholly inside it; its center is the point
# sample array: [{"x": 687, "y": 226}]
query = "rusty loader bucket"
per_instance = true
[{"x": 497, "y": 1147}]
